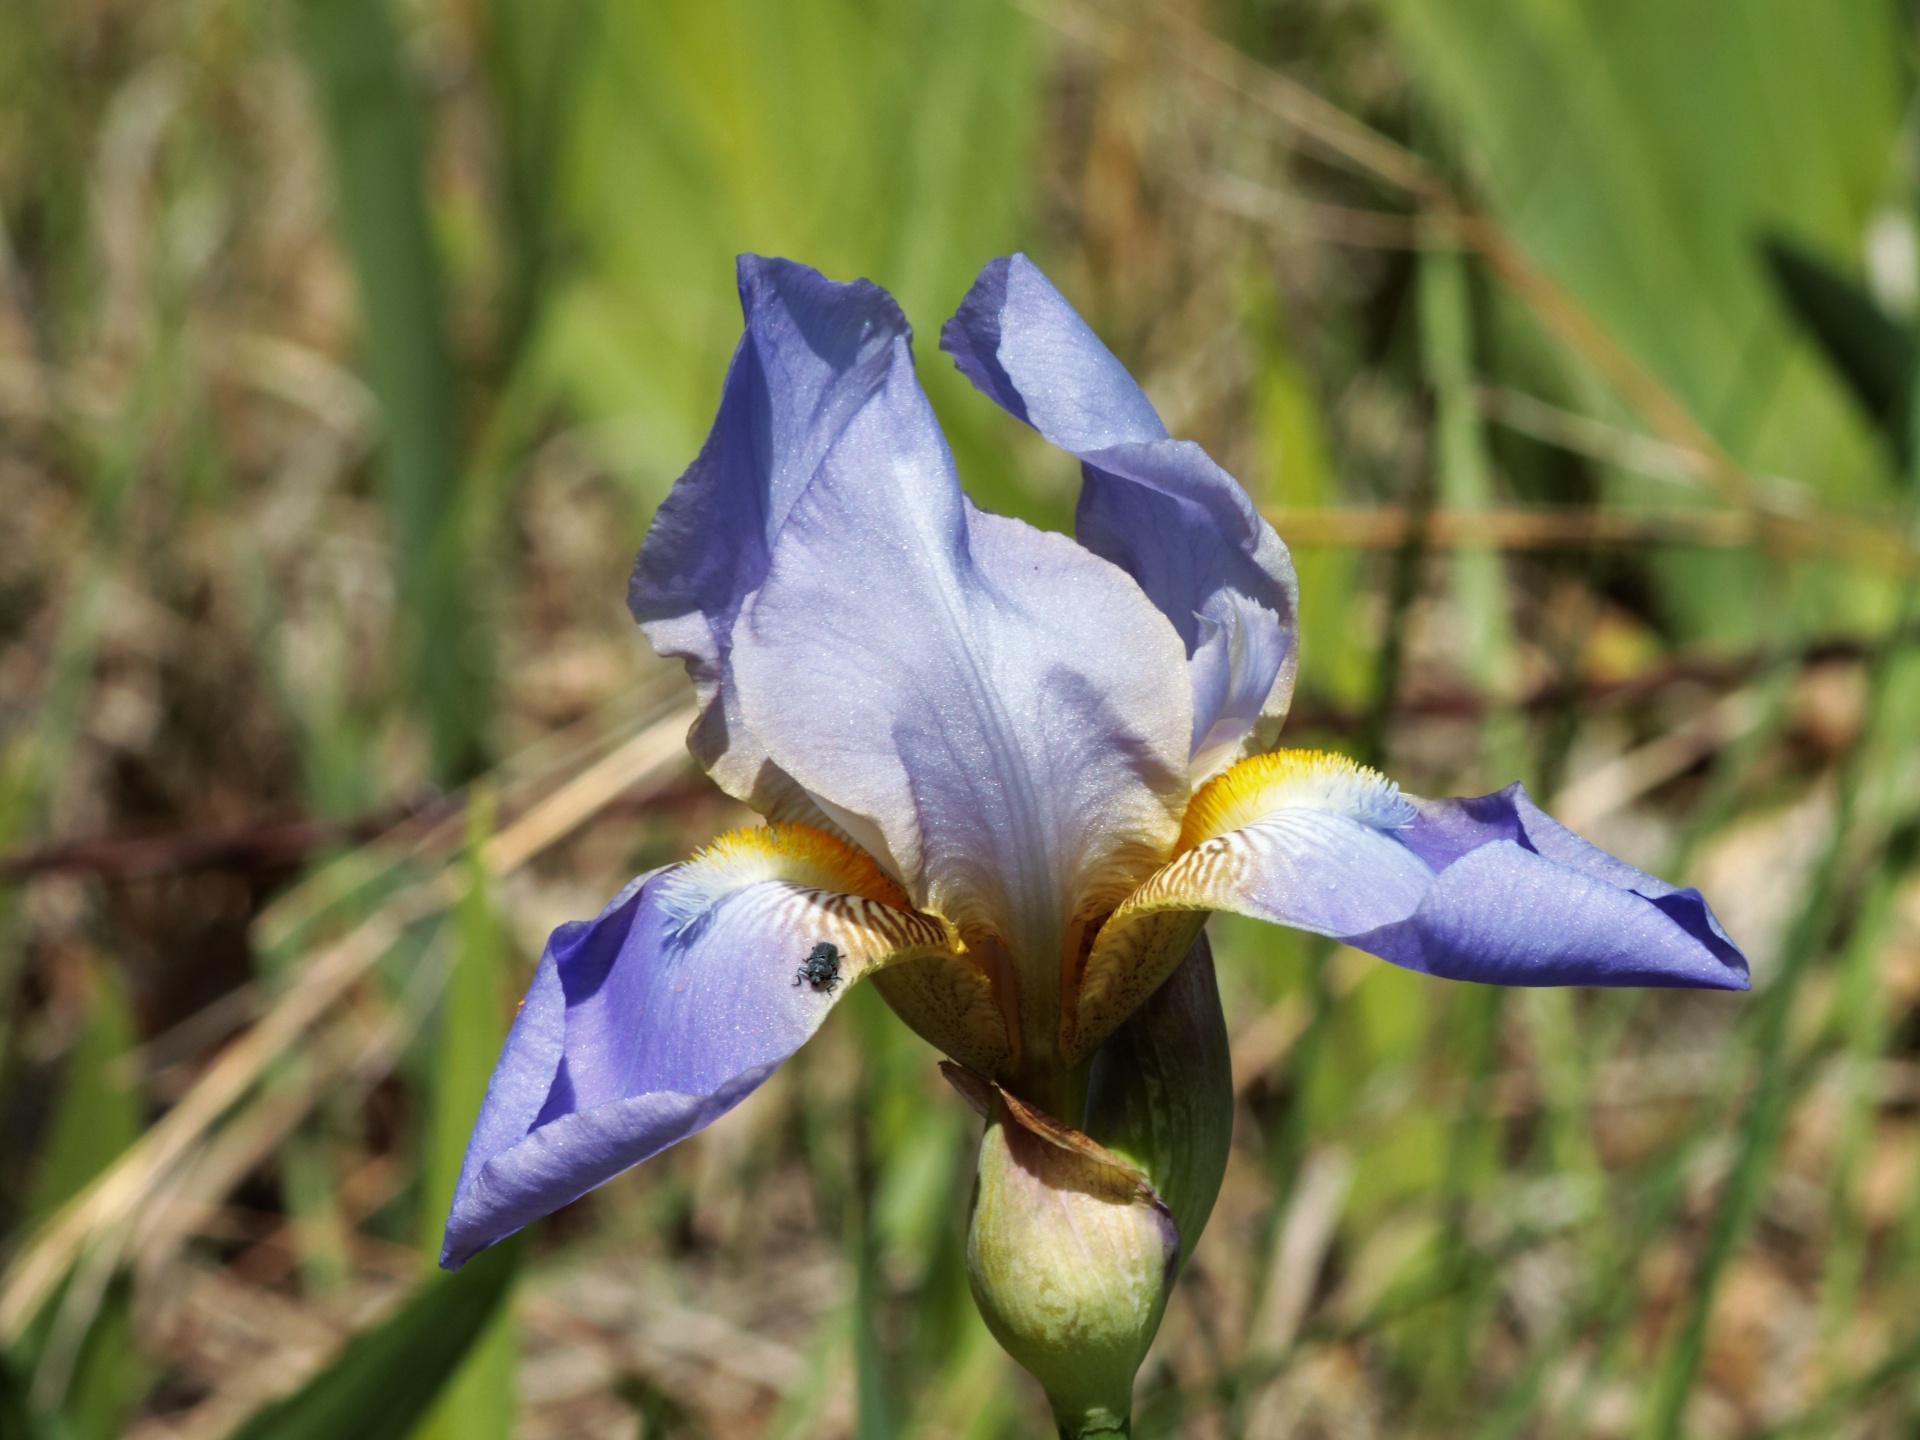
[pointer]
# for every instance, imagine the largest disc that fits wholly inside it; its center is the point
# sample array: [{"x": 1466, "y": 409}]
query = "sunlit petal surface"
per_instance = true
[
  {"x": 651, "y": 1021},
  {"x": 1159, "y": 508},
  {"x": 998, "y": 714},
  {"x": 813, "y": 354},
  {"x": 1488, "y": 889},
  {"x": 1522, "y": 900}
]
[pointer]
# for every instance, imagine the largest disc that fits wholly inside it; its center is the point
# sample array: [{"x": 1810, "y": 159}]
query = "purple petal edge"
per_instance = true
[
  {"x": 1158, "y": 508},
  {"x": 1518, "y": 899},
  {"x": 638, "y": 1030},
  {"x": 814, "y": 353}
]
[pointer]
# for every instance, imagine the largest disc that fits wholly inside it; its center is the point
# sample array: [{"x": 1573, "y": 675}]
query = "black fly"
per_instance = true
[{"x": 821, "y": 968}]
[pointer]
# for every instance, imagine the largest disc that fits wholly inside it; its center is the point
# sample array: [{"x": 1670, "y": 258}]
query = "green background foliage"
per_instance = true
[{"x": 346, "y": 347}]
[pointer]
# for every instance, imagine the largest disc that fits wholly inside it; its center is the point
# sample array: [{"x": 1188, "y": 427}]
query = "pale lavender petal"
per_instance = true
[
  {"x": 1232, "y": 671},
  {"x": 994, "y": 709},
  {"x": 1487, "y": 888},
  {"x": 640, "y": 1028},
  {"x": 1158, "y": 508},
  {"x": 1318, "y": 870},
  {"x": 813, "y": 354}
]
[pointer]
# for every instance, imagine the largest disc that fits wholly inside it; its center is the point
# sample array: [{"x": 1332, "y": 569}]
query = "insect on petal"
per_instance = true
[{"x": 653, "y": 1020}]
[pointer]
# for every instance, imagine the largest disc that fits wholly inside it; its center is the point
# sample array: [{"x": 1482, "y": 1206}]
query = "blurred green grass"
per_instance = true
[{"x": 345, "y": 348}]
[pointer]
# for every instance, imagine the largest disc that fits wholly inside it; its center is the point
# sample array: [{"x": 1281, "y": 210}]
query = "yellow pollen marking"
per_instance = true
[
  {"x": 1315, "y": 779},
  {"x": 799, "y": 855},
  {"x": 1145, "y": 938}
]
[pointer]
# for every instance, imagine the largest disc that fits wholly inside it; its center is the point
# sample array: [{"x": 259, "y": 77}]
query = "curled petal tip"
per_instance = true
[
  {"x": 1519, "y": 899},
  {"x": 1158, "y": 508}
]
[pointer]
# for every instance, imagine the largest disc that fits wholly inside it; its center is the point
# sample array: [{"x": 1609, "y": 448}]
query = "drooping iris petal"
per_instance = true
[
  {"x": 1159, "y": 508},
  {"x": 1521, "y": 900},
  {"x": 995, "y": 711},
  {"x": 813, "y": 354},
  {"x": 1488, "y": 889},
  {"x": 653, "y": 1020}
]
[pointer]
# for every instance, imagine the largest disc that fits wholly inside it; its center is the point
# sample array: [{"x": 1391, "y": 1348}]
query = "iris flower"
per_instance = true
[{"x": 1006, "y": 773}]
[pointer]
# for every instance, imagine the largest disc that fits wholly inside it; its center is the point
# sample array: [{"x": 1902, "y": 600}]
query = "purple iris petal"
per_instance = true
[
  {"x": 1521, "y": 900},
  {"x": 639, "y": 1029},
  {"x": 813, "y": 354},
  {"x": 1158, "y": 508},
  {"x": 1491, "y": 889},
  {"x": 991, "y": 709}
]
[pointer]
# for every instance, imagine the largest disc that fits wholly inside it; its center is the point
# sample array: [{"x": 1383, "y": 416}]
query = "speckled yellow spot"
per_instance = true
[
  {"x": 1315, "y": 779},
  {"x": 796, "y": 854},
  {"x": 1148, "y": 934}
]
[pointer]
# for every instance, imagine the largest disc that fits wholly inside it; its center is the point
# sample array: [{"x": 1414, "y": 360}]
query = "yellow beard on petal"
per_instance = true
[
  {"x": 829, "y": 889},
  {"x": 1314, "y": 779},
  {"x": 796, "y": 854},
  {"x": 1147, "y": 935}
]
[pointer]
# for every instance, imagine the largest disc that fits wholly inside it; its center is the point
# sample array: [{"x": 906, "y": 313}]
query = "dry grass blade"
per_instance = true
[
  {"x": 125, "y": 1186},
  {"x": 1339, "y": 224},
  {"x": 1334, "y": 133},
  {"x": 1313, "y": 1219},
  {"x": 650, "y": 758},
  {"x": 1581, "y": 435},
  {"x": 673, "y": 1333},
  {"x": 1621, "y": 781},
  {"x": 658, "y": 749},
  {"x": 1567, "y": 318}
]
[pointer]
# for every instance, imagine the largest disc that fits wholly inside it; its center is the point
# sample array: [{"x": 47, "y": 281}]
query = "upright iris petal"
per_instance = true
[
  {"x": 995, "y": 712},
  {"x": 1158, "y": 508},
  {"x": 813, "y": 355}
]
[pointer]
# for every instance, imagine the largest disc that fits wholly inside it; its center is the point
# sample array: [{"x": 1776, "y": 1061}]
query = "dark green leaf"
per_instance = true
[
  {"x": 1872, "y": 352},
  {"x": 385, "y": 1378},
  {"x": 96, "y": 1116},
  {"x": 16, "y": 1420},
  {"x": 478, "y": 1403}
]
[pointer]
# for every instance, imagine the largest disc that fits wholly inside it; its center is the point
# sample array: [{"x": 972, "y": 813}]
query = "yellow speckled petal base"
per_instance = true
[
  {"x": 1246, "y": 831},
  {"x": 867, "y": 916},
  {"x": 913, "y": 957}
]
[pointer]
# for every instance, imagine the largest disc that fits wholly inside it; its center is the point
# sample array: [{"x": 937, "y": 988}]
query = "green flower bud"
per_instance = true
[
  {"x": 1076, "y": 1237},
  {"x": 1072, "y": 1256}
]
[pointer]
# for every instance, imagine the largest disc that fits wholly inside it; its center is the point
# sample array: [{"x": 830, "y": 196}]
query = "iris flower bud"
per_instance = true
[
  {"x": 1073, "y": 1244},
  {"x": 1072, "y": 1256}
]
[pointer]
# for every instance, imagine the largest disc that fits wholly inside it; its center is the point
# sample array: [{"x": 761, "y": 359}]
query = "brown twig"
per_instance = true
[
  {"x": 1385, "y": 527},
  {"x": 1832, "y": 539}
]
